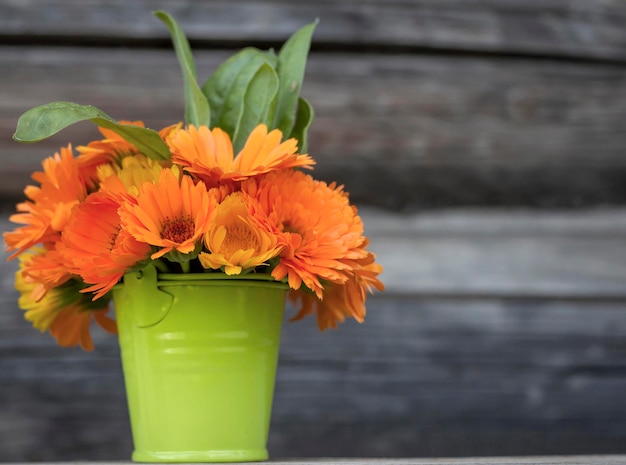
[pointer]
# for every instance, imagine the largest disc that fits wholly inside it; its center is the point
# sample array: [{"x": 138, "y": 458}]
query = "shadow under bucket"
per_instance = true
[{"x": 199, "y": 353}]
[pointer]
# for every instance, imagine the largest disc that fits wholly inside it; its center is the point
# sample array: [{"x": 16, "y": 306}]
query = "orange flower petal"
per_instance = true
[
  {"x": 208, "y": 154},
  {"x": 263, "y": 152}
]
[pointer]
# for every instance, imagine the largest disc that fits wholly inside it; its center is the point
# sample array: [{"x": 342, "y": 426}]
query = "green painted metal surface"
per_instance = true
[{"x": 199, "y": 360}]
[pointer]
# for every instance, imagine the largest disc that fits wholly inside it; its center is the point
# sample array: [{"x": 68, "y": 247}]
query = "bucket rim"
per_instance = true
[
  {"x": 221, "y": 279},
  {"x": 215, "y": 279}
]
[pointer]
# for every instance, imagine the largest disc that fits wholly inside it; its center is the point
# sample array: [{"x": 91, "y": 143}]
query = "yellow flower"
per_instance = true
[
  {"x": 239, "y": 238},
  {"x": 130, "y": 174}
]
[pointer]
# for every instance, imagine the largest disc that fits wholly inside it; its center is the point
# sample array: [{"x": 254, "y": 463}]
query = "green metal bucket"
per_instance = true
[{"x": 199, "y": 353}]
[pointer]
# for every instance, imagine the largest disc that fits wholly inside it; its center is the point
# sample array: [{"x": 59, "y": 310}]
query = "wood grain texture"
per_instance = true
[
  {"x": 427, "y": 131},
  {"x": 440, "y": 368},
  {"x": 561, "y": 28},
  {"x": 473, "y": 253}
]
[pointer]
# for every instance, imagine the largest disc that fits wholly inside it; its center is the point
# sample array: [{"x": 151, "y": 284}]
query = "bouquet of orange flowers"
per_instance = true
[{"x": 225, "y": 192}]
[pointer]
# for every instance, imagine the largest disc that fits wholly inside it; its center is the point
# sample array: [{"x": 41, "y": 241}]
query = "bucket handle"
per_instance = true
[{"x": 149, "y": 304}]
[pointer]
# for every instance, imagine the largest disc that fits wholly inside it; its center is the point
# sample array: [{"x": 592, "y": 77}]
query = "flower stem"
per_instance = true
[
  {"x": 162, "y": 267},
  {"x": 186, "y": 266}
]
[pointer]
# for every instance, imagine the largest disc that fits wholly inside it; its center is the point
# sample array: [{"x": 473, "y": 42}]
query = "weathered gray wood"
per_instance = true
[
  {"x": 566, "y": 28},
  {"x": 555, "y": 254},
  {"x": 427, "y": 131}
]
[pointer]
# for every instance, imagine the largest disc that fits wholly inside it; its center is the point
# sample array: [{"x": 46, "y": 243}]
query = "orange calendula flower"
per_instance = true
[
  {"x": 323, "y": 232},
  {"x": 48, "y": 208},
  {"x": 172, "y": 214},
  {"x": 95, "y": 247},
  {"x": 208, "y": 154},
  {"x": 239, "y": 238},
  {"x": 64, "y": 311}
]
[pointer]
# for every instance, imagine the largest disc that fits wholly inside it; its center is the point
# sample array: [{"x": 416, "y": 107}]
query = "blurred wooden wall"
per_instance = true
[{"x": 485, "y": 144}]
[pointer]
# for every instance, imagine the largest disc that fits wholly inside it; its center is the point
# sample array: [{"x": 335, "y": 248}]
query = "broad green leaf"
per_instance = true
[
  {"x": 221, "y": 82},
  {"x": 197, "y": 110},
  {"x": 291, "y": 64},
  {"x": 304, "y": 118},
  {"x": 233, "y": 106},
  {"x": 46, "y": 120},
  {"x": 257, "y": 101}
]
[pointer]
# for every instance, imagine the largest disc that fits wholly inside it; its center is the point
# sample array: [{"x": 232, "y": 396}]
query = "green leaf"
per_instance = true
[
  {"x": 304, "y": 118},
  {"x": 256, "y": 104},
  {"x": 46, "y": 120},
  {"x": 197, "y": 109},
  {"x": 222, "y": 81},
  {"x": 233, "y": 105},
  {"x": 291, "y": 64}
]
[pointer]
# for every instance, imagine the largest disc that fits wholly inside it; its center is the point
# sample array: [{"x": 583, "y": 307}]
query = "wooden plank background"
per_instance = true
[
  {"x": 484, "y": 142},
  {"x": 439, "y": 103}
]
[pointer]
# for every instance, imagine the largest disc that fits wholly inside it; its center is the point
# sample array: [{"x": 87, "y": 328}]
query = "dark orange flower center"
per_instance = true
[
  {"x": 289, "y": 227},
  {"x": 113, "y": 238},
  {"x": 178, "y": 230}
]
